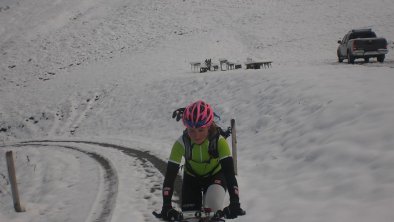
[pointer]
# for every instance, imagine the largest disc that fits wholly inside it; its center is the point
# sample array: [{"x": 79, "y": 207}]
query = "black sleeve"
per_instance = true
[
  {"x": 168, "y": 185},
  {"x": 227, "y": 165}
]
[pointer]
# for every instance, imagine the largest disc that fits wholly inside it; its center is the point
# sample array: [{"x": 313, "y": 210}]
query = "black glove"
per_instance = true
[
  {"x": 233, "y": 210},
  {"x": 226, "y": 133},
  {"x": 170, "y": 214}
]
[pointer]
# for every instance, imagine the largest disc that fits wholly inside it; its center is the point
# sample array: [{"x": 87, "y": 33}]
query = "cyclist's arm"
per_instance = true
[
  {"x": 227, "y": 164},
  {"x": 171, "y": 172}
]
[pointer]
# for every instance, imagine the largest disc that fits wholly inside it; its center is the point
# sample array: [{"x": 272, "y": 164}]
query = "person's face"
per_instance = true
[{"x": 198, "y": 135}]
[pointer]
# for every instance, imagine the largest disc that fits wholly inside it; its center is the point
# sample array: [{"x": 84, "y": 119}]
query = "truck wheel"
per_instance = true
[
  {"x": 339, "y": 57},
  {"x": 350, "y": 58},
  {"x": 381, "y": 58},
  {"x": 366, "y": 59}
]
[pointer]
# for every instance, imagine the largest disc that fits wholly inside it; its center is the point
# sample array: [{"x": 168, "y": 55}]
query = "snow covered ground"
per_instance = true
[{"x": 83, "y": 81}]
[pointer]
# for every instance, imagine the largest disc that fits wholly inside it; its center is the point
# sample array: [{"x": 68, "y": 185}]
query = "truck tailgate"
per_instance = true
[{"x": 370, "y": 44}]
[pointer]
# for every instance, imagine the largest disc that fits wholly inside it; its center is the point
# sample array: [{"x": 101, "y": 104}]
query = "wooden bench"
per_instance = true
[
  {"x": 223, "y": 61},
  {"x": 230, "y": 65},
  {"x": 195, "y": 66},
  {"x": 258, "y": 65}
]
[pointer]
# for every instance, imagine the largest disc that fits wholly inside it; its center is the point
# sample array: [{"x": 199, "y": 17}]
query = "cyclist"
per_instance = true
[{"x": 209, "y": 167}]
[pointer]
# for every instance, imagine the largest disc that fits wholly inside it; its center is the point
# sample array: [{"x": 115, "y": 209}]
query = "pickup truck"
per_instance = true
[{"x": 361, "y": 43}]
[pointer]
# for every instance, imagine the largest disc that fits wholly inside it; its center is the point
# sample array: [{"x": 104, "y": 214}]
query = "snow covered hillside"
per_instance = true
[{"x": 315, "y": 137}]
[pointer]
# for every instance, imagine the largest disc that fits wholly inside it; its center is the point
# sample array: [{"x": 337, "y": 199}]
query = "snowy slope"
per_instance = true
[{"x": 315, "y": 137}]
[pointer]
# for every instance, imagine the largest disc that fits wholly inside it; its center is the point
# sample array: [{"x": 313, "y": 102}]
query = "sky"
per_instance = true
[{"x": 88, "y": 89}]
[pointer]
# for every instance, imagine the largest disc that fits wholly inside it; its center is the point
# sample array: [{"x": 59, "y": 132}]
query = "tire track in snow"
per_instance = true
[
  {"x": 143, "y": 156},
  {"x": 107, "y": 202}
]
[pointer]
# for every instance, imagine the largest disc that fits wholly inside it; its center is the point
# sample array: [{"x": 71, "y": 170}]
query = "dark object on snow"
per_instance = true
[
  {"x": 361, "y": 43},
  {"x": 258, "y": 65}
]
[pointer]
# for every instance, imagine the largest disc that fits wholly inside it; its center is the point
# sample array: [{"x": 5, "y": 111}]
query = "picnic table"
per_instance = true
[{"x": 258, "y": 65}]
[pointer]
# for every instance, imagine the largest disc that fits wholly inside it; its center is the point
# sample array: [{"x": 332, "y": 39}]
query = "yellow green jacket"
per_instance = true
[{"x": 201, "y": 162}]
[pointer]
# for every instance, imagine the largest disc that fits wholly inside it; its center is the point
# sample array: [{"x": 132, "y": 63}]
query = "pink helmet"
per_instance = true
[{"x": 198, "y": 115}]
